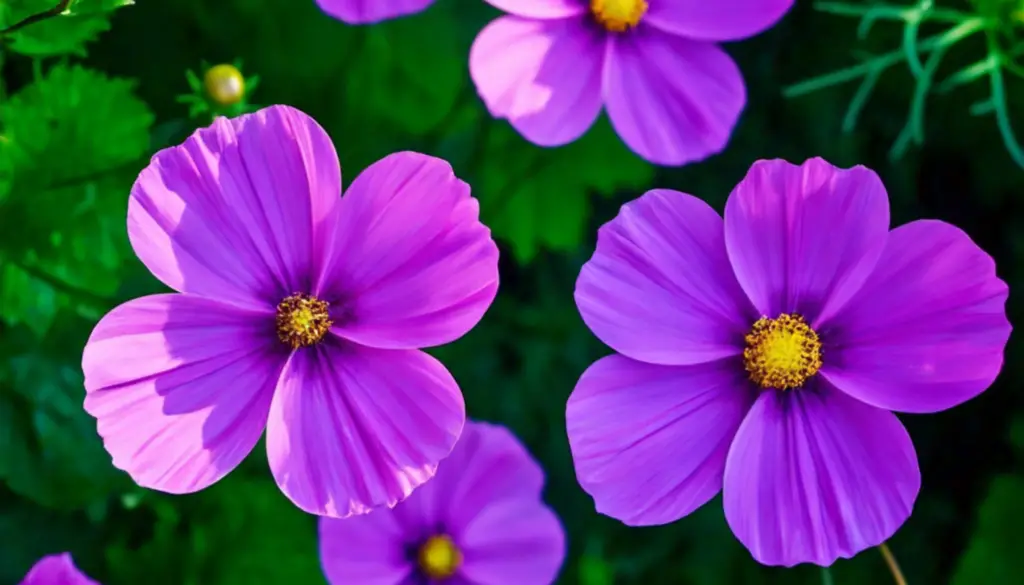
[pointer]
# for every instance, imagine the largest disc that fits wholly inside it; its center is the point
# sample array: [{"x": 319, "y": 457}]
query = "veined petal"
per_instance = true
[
  {"x": 180, "y": 387},
  {"x": 671, "y": 99},
  {"x": 371, "y": 11},
  {"x": 720, "y": 20},
  {"x": 814, "y": 475},
  {"x": 354, "y": 428},
  {"x": 370, "y": 549},
  {"x": 513, "y": 542},
  {"x": 928, "y": 329},
  {"x": 659, "y": 287},
  {"x": 56, "y": 570},
  {"x": 410, "y": 265},
  {"x": 543, "y": 76},
  {"x": 238, "y": 212},
  {"x": 803, "y": 239},
  {"x": 649, "y": 442}
]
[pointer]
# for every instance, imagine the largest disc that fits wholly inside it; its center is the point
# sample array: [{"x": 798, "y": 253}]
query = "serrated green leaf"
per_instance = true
[
  {"x": 995, "y": 550},
  {"x": 75, "y": 140},
  {"x": 55, "y": 457},
  {"x": 539, "y": 198},
  {"x": 57, "y": 35},
  {"x": 94, "y": 6}
]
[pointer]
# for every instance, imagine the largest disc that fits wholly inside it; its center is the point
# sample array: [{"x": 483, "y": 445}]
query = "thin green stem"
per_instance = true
[
  {"x": 999, "y": 107},
  {"x": 57, "y": 10},
  {"x": 888, "y": 11},
  {"x": 890, "y": 561},
  {"x": 826, "y": 576}
]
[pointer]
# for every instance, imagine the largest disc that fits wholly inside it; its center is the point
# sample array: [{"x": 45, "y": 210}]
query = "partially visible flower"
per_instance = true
[
  {"x": 56, "y": 569},
  {"x": 371, "y": 11},
  {"x": 480, "y": 521},
  {"x": 302, "y": 312},
  {"x": 671, "y": 93},
  {"x": 761, "y": 356}
]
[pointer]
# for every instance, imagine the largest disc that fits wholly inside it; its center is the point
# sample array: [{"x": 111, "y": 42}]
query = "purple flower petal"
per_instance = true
[
  {"x": 814, "y": 475},
  {"x": 804, "y": 238},
  {"x": 488, "y": 465},
  {"x": 513, "y": 542},
  {"x": 235, "y": 213},
  {"x": 354, "y": 428},
  {"x": 542, "y": 9},
  {"x": 672, "y": 100},
  {"x": 56, "y": 570},
  {"x": 410, "y": 260},
  {"x": 180, "y": 388},
  {"x": 371, "y": 11},
  {"x": 659, "y": 287},
  {"x": 369, "y": 550},
  {"x": 721, "y": 20},
  {"x": 649, "y": 442},
  {"x": 543, "y": 76},
  {"x": 928, "y": 329}
]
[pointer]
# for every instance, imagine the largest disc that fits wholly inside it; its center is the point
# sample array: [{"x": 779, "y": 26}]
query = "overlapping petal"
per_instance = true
[
  {"x": 672, "y": 100},
  {"x": 804, "y": 238},
  {"x": 928, "y": 329},
  {"x": 543, "y": 76},
  {"x": 659, "y": 287},
  {"x": 56, "y": 570},
  {"x": 371, "y": 11},
  {"x": 353, "y": 428},
  {"x": 180, "y": 387},
  {"x": 513, "y": 542},
  {"x": 238, "y": 211},
  {"x": 814, "y": 475},
  {"x": 649, "y": 442},
  {"x": 487, "y": 465},
  {"x": 368, "y": 549},
  {"x": 720, "y": 20},
  {"x": 409, "y": 264}
]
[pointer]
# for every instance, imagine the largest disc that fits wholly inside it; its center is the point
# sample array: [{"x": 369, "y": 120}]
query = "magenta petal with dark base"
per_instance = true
[
  {"x": 247, "y": 220},
  {"x": 56, "y": 570},
  {"x": 815, "y": 475},
  {"x": 625, "y": 415},
  {"x": 486, "y": 498},
  {"x": 928, "y": 329},
  {"x": 909, "y": 320}
]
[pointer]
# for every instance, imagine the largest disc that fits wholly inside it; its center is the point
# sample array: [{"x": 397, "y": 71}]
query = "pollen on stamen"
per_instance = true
[
  {"x": 618, "y": 15},
  {"x": 782, "y": 353},
  {"x": 302, "y": 320},
  {"x": 439, "y": 558}
]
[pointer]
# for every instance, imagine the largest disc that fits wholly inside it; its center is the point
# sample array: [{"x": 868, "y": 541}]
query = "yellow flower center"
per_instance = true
[
  {"x": 302, "y": 320},
  {"x": 782, "y": 353},
  {"x": 618, "y": 15},
  {"x": 439, "y": 558},
  {"x": 224, "y": 84}
]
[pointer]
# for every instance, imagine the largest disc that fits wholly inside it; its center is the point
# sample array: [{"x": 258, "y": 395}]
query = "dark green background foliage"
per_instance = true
[{"x": 86, "y": 99}]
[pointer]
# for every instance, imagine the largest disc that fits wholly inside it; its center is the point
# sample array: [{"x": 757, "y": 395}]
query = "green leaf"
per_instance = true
[
  {"x": 94, "y": 6},
  {"x": 995, "y": 550},
  {"x": 52, "y": 453},
  {"x": 539, "y": 198},
  {"x": 56, "y": 35},
  {"x": 75, "y": 140},
  {"x": 409, "y": 71}
]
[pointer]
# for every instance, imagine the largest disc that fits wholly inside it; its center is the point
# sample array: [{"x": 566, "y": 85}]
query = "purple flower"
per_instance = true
[
  {"x": 301, "y": 311},
  {"x": 371, "y": 11},
  {"x": 56, "y": 570},
  {"x": 480, "y": 521},
  {"x": 671, "y": 93},
  {"x": 761, "y": 356}
]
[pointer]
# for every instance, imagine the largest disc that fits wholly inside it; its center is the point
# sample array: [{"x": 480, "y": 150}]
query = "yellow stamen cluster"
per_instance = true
[
  {"x": 439, "y": 558},
  {"x": 302, "y": 320},
  {"x": 782, "y": 353},
  {"x": 618, "y": 15}
]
